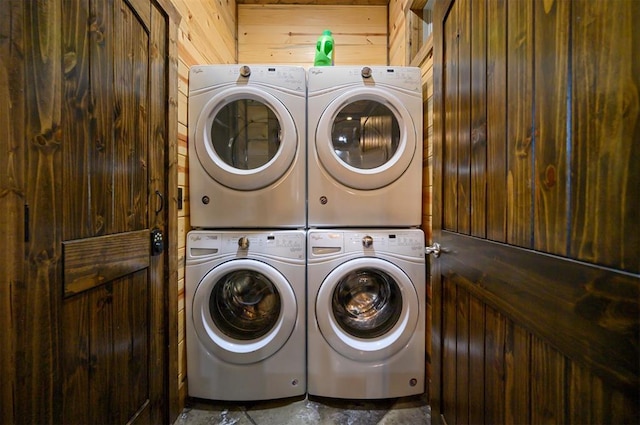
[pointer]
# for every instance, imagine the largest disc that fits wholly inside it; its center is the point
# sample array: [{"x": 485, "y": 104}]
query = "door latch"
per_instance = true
[
  {"x": 157, "y": 241},
  {"x": 434, "y": 249}
]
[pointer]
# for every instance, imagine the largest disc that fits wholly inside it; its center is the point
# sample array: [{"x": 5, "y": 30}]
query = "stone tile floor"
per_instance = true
[{"x": 308, "y": 411}]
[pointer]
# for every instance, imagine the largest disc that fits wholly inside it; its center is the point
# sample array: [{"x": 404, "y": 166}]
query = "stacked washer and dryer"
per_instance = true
[
  {"x": 305, "y": 194},
  {"x": 366, "y": 294},
  {"x": 245, "y": 262}
]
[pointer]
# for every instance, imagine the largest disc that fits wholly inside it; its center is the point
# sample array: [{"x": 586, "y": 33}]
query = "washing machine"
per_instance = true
[
  {"x": 366, "y": 313},
  {"x": 245, "y": 314},
  {"x": 247, "y": 146},
  {"x": 365, "y": 146}
]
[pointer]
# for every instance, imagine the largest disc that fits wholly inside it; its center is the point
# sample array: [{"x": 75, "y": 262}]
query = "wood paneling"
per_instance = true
[
  {"x": 542, "y": 319},
  {"x": 605, "y": 126},
  {"x": 527, "y": 375},
  {"x": 287, "y": 34},
  {"x": 90, "y": 163},
  {"x": 318, "y": 2},
  {"x": 206, "y": 35}
]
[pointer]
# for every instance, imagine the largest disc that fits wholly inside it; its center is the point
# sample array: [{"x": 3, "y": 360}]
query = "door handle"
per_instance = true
[
  {"x": 157, "y": 210},
  {"x": 434, "y": 249}
]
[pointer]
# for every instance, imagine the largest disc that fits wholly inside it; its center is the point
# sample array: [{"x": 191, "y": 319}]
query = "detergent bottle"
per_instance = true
[{"x": 324, "y": 50}]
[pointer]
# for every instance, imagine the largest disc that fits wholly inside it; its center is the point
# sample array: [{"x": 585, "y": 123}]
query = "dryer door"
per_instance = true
[
  {"x": 366, "y": 138},
  {"x": 367, "y": 309},
  {"x": 244, "y": 311},
  {"x": 245, "y": 138}
]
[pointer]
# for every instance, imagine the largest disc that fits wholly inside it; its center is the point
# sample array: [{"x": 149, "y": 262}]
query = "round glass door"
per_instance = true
[
  {"x": 365, "y": 134},
  {"x": 367, "y": 303},
  {"x": 244, "y": 311},
  {"x": 244, "y": 305},
  {"x": 366, "y": 139},
  {"x": 245, "y": 138},
  {"x": 367, "y": 309}
]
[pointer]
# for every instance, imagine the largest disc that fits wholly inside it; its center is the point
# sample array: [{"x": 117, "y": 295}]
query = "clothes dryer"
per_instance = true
[
  {"x": 245, "y": 314},
  {"x": 365, "y": 313},
  {"x": 247, "y": 148},
  {"x": 365, "y": 146}
]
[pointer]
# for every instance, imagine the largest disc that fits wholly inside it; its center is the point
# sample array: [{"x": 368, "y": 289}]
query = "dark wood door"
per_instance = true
[
  {"x": 88, "y": 81},
  {"x": 536, "y": 295}
]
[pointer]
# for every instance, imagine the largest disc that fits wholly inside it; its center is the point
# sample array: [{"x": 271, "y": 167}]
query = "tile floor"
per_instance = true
[{"x": 308, "y": 411}]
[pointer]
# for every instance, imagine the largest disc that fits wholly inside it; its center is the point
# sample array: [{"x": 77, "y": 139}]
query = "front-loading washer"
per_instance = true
[
  {"x": 245, "y": 314},
  {"x": 365, "y": 313},
  {"x": 247, "y": 146},
  {"x": 364, "y": 146}
]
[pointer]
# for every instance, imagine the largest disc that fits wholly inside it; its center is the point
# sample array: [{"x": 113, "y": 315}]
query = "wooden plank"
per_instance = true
[
  {"x": 476, "y": 360},
  {"x": 451, "y": 122},
  {"x": 462, "y": 357},
  {"x": 436, "y": 390},
  {"x": 494, "y": 384},
  {"x": 584, "y": 311},
  {"x": 547, "y": 384},
  {"x": 585, "y": 401},
  {"x": 101, "y": 144},
  {"x": 360, "y": 33},
  {"x": 463, "y": 189},
  {"x": 478, "y": 81},
  {"x": 205, "y": 21},
  {"x": 12, "y": 191},
  {"x": 496, "y": 120},
  {"x": 550, "y": 99},
  {"x": 36, "y": 300},
  {"x": 76, "y": 121},
  {"x": 142, "y": 200},
  {"x": 449, "y": 381},
  {"x": 520, "y": 132},
  {"x": 304, "y": 55},
  {"x": 605, "y": 110},
  {"x": 518, "y": 402},
  {"x": 75, "y": 357},
  {"x": 317, "y": 2},
  {"x": 91, "y": 262},
  {"x": 103, "y": 370}
]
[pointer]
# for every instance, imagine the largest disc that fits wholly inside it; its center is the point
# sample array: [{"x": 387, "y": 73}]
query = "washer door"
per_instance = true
[
  {"x": 367, "y": 309},
  {"x": 245, "y": 138},
  {"x": 244, "y": 311},
  {"x": 366, "y": 139}
]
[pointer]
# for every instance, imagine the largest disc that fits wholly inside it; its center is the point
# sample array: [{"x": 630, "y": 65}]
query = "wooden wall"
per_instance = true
[
  {"x": 398, "y": 42},
  {"x": 207, "y": 35},
  {"x": 287, "y": 33}
]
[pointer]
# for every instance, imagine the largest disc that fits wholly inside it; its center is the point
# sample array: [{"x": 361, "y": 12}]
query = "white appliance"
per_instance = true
[
  {"x": 245, "y": 314},
  {"x": 365, "y": 313},
  {"x": 247, "y": 148},
  {"x": 365, "y": 146}
]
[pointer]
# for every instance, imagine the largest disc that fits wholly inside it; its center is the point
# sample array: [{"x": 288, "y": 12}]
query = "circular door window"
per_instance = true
[
  {"x": 367, "y": 309},
  {"x": 366, "y": 303},
  {"x": 244, "y": 311},
  {"x": 245, "y": 139},
  {"x": 366, "y": 139}
]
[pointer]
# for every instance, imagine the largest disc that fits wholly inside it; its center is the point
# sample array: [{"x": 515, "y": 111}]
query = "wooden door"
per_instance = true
[
  {"x": 87, "y": 88},
  {"x": 536, "y": 295}
]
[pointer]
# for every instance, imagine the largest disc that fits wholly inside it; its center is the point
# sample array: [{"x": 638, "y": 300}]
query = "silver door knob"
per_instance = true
[
  {"x": 243, "y": 242},
  {"x": 367, "y": 241},
  {"x": 434, "y": 249}
]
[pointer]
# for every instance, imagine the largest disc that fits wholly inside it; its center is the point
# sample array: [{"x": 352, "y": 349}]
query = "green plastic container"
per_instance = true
[{"x": 324, "y": 50}]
